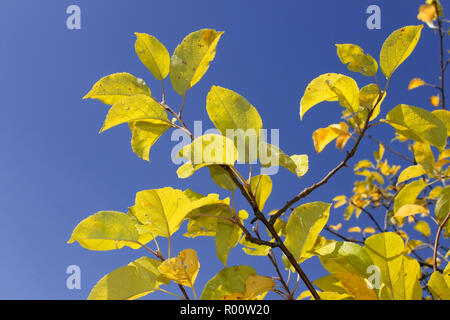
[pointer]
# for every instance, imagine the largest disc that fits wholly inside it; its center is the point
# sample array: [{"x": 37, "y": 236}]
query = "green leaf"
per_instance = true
[
  {"x": 221, "y": 177},
  {"x": 343, "y": 256},
  {"x": 272, "y": 156},
  {"x": 330, "y": 87},
  {"x": 133, "y": 281},
  {"x": 410, "y": 173},
  {"x": 191, "y": 59},
  {"x": 261, "y": 187},
  {"x": 237, "y": 119},
  {"x": 116, "y": 87},
  {"x": 203, "y": 220},
  {"x": 145, "y": 134},
  {"x": 356, "y": 59},
  {"x": 228, "y": 281},
  {"x": 408, "y": 194},
  {"x": 439, "y": 286},
  {"x": 106, "y": 230},
  {"x": 304, "y": 225},
  {"x": 399, "y": 273},
  {"x": 161, "y": 210},
  {"x": 137, "y": 107},
  {"x": 418, "y": 124},
  {"x": 397, "y": 48},
  {"x": 153, "y": 55}
]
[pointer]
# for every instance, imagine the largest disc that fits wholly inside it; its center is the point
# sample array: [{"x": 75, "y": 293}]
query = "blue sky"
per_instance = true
[{"x": 57, "y": 170}]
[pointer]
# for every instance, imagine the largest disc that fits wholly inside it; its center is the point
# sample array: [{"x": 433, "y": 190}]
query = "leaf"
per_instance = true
[
  {"x": 237, "y": 119},
  {"x": 343, "y": 256},
  {"x": 439, "y": 286},
  {"x": 378, "y": 155},
  {"x": 435, "y": 100},
  {"x": 254, "y": 249},
  {"x": 423, "y": 228},
  {"x": 191, "y": 59},
  {"x": 227, "y": 237},
  {"x": 410, "y": 173},
  {"x": 397, "y": 48},
  {"x": 182, "y": 269},
  {"x": 444, "y": 116},
  {"x": 304, "y": 225},
  {"x": 408, "y": 194},
  {"x": 261, "y": 187},
  {"x": 116, "y": 87},
  {"x": 356, "y": 286},
  {"x": 418, "y": 124},
  {"x": 399, "y": 274},
  {"x": 203, "y": 220},
  {"x": 133, "y": 281},
  {"x": 354, "y": 229},
  {"x": 145, "y": 134},
  {"x": 330, "y": 283},
  {"x": 330, "y": 87},
  {"x": 356, "y": 59},
  {"x": 340, "y": 201},
  {"x": 442, "y": 208},
  {"x": 427, "y": 13},
  {"x": 228, "y": 281},
  {"x": 323, "y": 136},
  {"x": 409, "y": 210},
  {"x": 369, "y": 230},
  {"x": 273, "y": 156},
  {"x": 153, "y": 55},
  {"x": 106, "y": 230},
  {"x": 137, "y": 107},
  {"x": 336, "y": 227},
  {"x": 256, "y": 285},
  {"x": 221, "y": 177},
  {"x": 415, "y": 83},
  {"x": 424, "y": 155},
  {"x": 368, "y": 98},
  {"x": 161, "y": 210}
]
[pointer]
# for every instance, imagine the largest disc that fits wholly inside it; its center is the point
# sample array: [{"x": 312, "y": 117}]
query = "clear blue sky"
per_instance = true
[{"x": 57, "y": 170}]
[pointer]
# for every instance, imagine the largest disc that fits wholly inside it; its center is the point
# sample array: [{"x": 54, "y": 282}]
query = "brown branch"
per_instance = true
[{"x": 436, "y": 241}]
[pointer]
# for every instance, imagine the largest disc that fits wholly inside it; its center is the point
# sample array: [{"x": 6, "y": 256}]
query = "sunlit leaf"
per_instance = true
[
  {"x": 435, "y": 100},
  {"x": 411, "y": 172},
  {"x": 182, "y": 269},
  {"x": 415, "y": 83},
  {"x": 261, "y": 187},
  {"x": 153, "y": 55},
  {"x": 116, "y": 87},
  {"x": 409, "y": 210},
  {"x": 397, "y": 48},
  {"x": 323, "y": 136},
  {"x": 439, "y": 286},
  {"x": 356, "y": 286},
  {"x": 356, "y": 59},
  {"x": 444, "y": 116},
  {"x": 145, "y": 134},
  {"x": 191, "y": 59},
  {"x": 221, "y": 177},
  {"x": 273, "y": 156},
  {"x": 423, "y": 228},
  {"x": 354, "y": 229},
  {"x": 408, "y": 194}
]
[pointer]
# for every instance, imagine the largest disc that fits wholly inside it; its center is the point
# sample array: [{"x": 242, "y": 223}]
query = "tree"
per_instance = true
[{"x": 386, "y": 265}]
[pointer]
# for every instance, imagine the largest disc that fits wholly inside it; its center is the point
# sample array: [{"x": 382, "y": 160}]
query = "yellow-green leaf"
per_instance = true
[
  {"x": 368, "y": 98},
  {"x": 237, "y": 119},
  {"x": 444, "y": 116},
  {"x": 397, "y": 48},
  {"x": 304, "y": 225},
  {"x": 272, "y": 156},
  {"x": 408, "y": 194},
  {"x": 153, "y": 55},
  {"x": 410, "y": 173},
  {"x": 227, "y": 237},
  {"x": 182, "y": 269},
  {"x": 191, "y": 59},
  {"x": 145, "y": 134},
  {"x": 356, "y": 286},
  {"x": 221, "y": 177},
  {"x": 356, "y": 59},
  {"x": 137, "y": 107},
  {"x": 254, "y": 249},
  {"x": 424, "y": 155},
  {"x": 439, "y": 286},
  {"x": 106, "y": 230},
  {"x": 116, "y": 87},
  {"x": 423, "y": 228},
  {"x": 227, "y": 282},
  {"x": 133, "y": 281},
  {"x": 256, "y": 285},
  {"x": 161, "y": 210},
  {"x": 330, "y": 87},
  {"x": 442, "y": 208},
  {"x": 418, "y": 124},
  {"x": 261, "y": 187},
  {"x": 410, "y": 210}
]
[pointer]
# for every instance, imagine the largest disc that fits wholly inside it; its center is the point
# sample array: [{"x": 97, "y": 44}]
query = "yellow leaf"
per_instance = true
[
  {"x": 261, "y": 187},
  {"x": 415, "y": 83},
  {"x": 408, "y": 194},
  {"x": 439, "y": 286},
  {"x": 256, "y": 285},
  {"x": 410, "y": 173},
  {"x": 340, "y": 201},
  {"x": 192, "y": 58},
  {"x": 145, "y": 134},
  {"x": 444, "y": 116},
  {"x": 354, "y": 229},
  {"x": 369, "y": 230},
  {"x": 410, "y": 209},
  {"x": 423, "y": 228},
  {"x": 336, "y": 227},
  {"x": 116, "y": 87},
  {"x": 182, "y": 269},
  {"x": 427, "y": 13},
  {"x": 363, "y": 164},
  {"x": 356, "y": 59},
  {"x": 378, "y": 155},
  {"x": 397, "y": 48},
  {"x": 435, "y": 100},
  {"x": 153, "y": 55},
  {"x": 356, "y": 286}
]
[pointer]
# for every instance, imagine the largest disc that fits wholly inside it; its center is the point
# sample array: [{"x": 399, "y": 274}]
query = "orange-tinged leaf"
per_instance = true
[
  {"x": 415, "y": 83},
  {"x": 369, "y": 230},
  {"x": 336, "y": 227},
  {"x": 435, "y": 100},
  {"x": 427, "y": 13},
  {"x": 354, "y": 229}
]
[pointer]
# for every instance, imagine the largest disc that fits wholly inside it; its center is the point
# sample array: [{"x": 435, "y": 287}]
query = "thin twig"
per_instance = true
[{"x": 436, "y": 241}]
